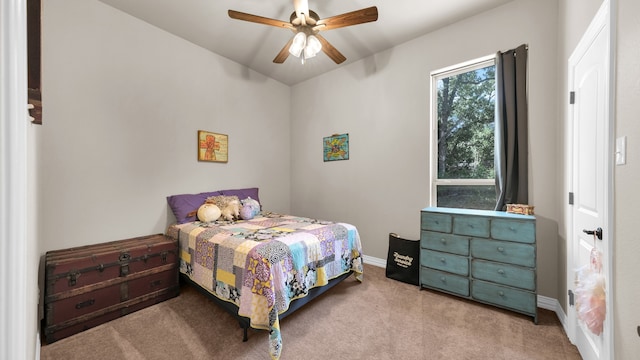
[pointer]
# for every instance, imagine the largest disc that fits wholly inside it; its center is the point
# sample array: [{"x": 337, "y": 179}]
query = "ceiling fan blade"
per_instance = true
[
  {"x": 259, "y": 19},
  {"x": 347, "y": 19},
  {"x": 331, "y": 51},
  {"x": 284, "y": 53}
]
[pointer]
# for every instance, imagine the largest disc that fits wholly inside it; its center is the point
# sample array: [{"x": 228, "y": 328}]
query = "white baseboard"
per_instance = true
[
  {"x": 38, "y": 345},
  {"x": 374, "y": 261},
  {"x": 547, "y": 303},
  {"x": 553, "y": 305},
  {"x": 544, "y": 302}
]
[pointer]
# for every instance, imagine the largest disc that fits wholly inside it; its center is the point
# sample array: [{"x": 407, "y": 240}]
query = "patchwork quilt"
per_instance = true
[{"x": 262, "y": 264}]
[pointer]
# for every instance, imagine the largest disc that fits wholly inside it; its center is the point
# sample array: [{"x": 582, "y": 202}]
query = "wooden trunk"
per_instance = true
[{"x": 90, "y": 285}]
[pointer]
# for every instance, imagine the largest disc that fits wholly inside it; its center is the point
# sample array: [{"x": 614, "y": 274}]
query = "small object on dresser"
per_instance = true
[{"x": 521, "y": 209}]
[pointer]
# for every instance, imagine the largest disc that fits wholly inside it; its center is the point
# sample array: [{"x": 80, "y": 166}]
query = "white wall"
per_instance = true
[
  {"x": 123, "y": 102},
  {"x": 383, "y": 103},
  {"x": 626, "y": 286}
]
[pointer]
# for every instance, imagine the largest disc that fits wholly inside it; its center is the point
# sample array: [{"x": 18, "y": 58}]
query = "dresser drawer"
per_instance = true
[
  {"x": 444, "y": 281},
  {"x": 445, "y": 242},
  {"x": 471, "y": 225},
  {"x": 513, "y": 230},
  {"x": 446, "y": 262},
  {"x": 516, "y": 276},
  {"x": 504, "y": 251},
  {"x": 435, "y": 222},
  {"x": 504, "y": 296}
]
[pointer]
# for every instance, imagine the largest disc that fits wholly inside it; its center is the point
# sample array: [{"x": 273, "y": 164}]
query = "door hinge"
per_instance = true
[
  {"x": 571, "y": 198},
  {"x": 571, "y": 301},
  {"x": 572, "y": 97}
]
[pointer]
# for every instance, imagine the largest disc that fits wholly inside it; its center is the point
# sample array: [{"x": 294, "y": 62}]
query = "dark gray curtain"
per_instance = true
[{"x": 511, "y": 154}]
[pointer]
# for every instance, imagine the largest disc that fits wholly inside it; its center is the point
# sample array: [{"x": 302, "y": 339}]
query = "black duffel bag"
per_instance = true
[{"x": 403, "y": 259}]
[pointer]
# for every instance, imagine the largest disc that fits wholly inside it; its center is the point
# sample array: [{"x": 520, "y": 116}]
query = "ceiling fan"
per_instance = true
[{"x": 306, "y": 25}]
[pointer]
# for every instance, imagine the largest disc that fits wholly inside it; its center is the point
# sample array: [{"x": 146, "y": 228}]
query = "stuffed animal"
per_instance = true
[
  {"x": 208, "y": 212},
  {"x": 250, "y": 208},
  {"x": 229, "y": 206},
  {"x": 231, "y": 211},
  {"x": 246, "y": 213}
]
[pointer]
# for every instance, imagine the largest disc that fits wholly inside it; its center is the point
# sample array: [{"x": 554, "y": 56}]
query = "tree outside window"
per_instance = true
[{"x": 463, "y": 122}]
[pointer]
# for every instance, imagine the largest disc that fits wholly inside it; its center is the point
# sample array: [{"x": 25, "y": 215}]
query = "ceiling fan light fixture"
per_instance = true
[
  {"x": 298, "y": 44},
  {"x": 306, "y": 24},
  {"x": 313, "y": 47}
]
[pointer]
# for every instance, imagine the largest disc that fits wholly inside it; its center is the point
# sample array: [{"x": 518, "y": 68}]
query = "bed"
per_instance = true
[{"x": 263, "y": 268}]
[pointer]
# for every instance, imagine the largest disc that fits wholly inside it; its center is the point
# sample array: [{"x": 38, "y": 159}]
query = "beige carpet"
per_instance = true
[{"x": 376, "y": 319}]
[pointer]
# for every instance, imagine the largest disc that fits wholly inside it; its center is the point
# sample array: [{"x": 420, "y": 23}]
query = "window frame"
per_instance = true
[{"x": 435, "y": 76}]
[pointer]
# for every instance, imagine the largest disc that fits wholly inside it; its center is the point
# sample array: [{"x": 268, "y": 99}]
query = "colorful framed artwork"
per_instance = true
[
  {"x": 212, "y": 146},
  {"x": 336, "y": 147}
]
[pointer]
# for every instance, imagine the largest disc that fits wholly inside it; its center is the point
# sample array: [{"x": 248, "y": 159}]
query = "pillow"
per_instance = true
[
  {"x": 185, "y": 206},
  {"x": 242, "y": 193}
]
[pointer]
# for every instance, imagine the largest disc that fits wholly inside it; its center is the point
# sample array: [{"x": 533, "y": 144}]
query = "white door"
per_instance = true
[{"x": 589, "y": 81}]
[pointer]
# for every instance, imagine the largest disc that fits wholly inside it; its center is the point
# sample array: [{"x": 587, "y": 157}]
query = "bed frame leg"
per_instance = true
[{"x": 244, "y": 327}]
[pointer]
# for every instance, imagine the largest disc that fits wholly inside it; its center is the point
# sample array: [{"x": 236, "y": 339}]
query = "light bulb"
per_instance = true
[
  {"x": 299, "y": 42},
  {"x": 313, "y": 47}
]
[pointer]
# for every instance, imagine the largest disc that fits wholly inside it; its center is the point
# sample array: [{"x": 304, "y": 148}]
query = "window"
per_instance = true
[{"x": 462, "y": 135}]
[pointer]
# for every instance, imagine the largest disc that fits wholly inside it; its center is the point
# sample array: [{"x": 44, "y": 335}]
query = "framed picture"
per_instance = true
[
  {"x": 336, "y": 147},
  {"x": 212, "y": 146}
]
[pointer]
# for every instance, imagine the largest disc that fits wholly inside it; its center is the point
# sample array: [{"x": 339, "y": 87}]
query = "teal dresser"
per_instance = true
[{"x": 486, "y": 256}]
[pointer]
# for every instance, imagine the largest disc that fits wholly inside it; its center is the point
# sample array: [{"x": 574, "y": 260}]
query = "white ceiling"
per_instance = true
[{"x": 206, "y": 23}]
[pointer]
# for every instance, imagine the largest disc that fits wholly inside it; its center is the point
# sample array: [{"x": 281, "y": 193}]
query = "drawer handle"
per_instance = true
[
  {"x": 500, "y": 271},
  {"x": 512, "y": 228},
  {"x": 443, "y": 279},
  {"x": 501, "y": 293},
  {"x": 500, "y": 249},
  {"x": 443, "y": 260},
  {"x": 443, "y": 240}
]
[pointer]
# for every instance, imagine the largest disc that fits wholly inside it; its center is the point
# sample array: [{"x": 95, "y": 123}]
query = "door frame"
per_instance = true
[
  {"x": 604, "y": 17},
  {"x": 16, "y": 280}
]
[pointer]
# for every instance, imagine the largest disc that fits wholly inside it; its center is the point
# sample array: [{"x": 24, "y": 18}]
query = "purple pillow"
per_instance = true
[
  {"x": 185, "y": 206},
  {"x": 242, "y": 193}
]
